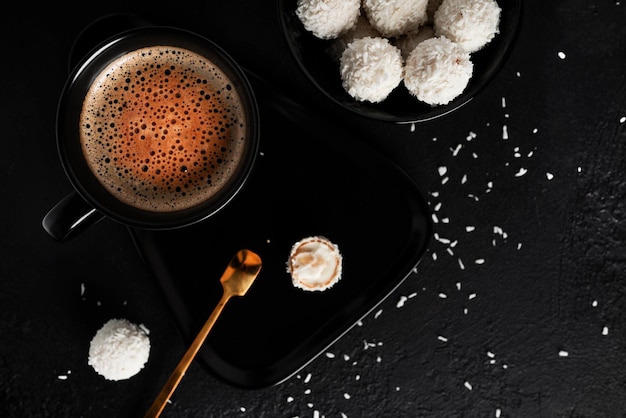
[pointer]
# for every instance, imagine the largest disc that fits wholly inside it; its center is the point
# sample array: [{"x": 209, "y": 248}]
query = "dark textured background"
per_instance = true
[{"x": 537, "y": 330}]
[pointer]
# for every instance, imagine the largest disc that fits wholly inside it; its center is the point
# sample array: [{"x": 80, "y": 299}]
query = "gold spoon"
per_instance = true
[{"x": 236, "y": 280}]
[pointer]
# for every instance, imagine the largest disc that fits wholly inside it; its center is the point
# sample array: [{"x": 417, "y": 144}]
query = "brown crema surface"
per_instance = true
[{"x": 162, "y": 128}]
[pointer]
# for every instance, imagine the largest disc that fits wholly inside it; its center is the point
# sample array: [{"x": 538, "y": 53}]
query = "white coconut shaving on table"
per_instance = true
[
  {"x": 328, "y": 19},
  {"x": 370, "y": 69},
  {"x": 470, "y": 23},
  {"x": 119, "y": 350},
  {"x": 437, "y": 71},
  {"x": 395, "y": 17}
]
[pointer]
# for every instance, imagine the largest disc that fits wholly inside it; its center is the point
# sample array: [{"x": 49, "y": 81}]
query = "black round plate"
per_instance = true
[{"x": 312, "y": 56}]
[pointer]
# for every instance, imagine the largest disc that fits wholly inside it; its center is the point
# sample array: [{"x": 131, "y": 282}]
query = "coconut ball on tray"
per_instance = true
[
  {"x": 370, "y": 68},
  {"x": 437, "y": 70},
  {"x": 314, "y": 263},
  {"x": 395, "y": 17},
  {"x": 328, "y": 19},
  {"x": 119, "y": 350},
  {"x": 470, "y": 23}
]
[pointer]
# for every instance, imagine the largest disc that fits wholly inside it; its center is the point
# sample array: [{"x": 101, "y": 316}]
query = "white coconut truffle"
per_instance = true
[
  {"x": 315, "y": 264},
  {"x": 470, "y": 23},
  {"x": 395, "y": 17},
  {"x": 437, "y": 71},
  {"x": 407, "y": 43},
  {"x": 370, "y": 69},
  {"x": 119, "y": 350},
  {"x": 328, "y": 19}
]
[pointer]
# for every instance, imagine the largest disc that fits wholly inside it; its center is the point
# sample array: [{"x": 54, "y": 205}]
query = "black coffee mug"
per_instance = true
[{"x": 170, "y": 153}]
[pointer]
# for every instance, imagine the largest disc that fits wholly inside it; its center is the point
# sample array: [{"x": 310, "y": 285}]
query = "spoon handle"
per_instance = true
[{"x": 166, "y": 392}]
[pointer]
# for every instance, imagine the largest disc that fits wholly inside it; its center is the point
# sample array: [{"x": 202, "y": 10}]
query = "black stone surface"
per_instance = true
[{"x": 523, "y": 316}]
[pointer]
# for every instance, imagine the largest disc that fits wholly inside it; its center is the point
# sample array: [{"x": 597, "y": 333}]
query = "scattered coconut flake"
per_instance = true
[
  {"x": 401, "y": 301},
  {"x": 346, "y": 395},
  {"x": 605, "y": 331},
  {"x": 471, "y": 296},
  {"x": 289, "y": 399},
  {"x": 442, "y": 170},
  {"x": 470, "y": 228},
  {"x": 561, "y": 55},
  {"x": 549, "y": 176},
  {"x": 521, "y": 172},
  {"x": 622, "y": 119},
  {"x": 505, "y": 132},
  {"x": 563, "y": 353},
  {"x": 442, "y": 338},
  {"x": 498, "y": 412},
  {"x": 307, "y": 379},
  {"x": 443, "y": 295},
  {"x": 62, "y": 377},
  {"x": 378, "y": 313},
  {"x": 330, "y": 355},
  {"x": 479, "y": 261},
  {"x": 503, "y": 102},
  {"x": 242, "y": 409},
  {"x": 594, "y": 303},
  {"x": 467, "y": 385},
  {"x": 461, "y": 265}
]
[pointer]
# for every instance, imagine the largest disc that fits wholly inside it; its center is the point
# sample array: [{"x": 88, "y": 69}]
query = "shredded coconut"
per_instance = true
[
  {"x": 470, "y": 23},
  {"x": 395, "y": 17},
  {"x": 370, "y": 69},
  {"x": 437, "y": 71},
  {"x": 328, "y": 19},
  {"x": 119, "y": 350}
]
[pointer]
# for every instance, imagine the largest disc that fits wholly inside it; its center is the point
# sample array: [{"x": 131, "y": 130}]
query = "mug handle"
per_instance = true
[{"x": 70, "y": 216}]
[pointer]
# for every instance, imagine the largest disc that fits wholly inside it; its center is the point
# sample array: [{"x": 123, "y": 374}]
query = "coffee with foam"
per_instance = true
[{"x": 162, "y": 128}]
